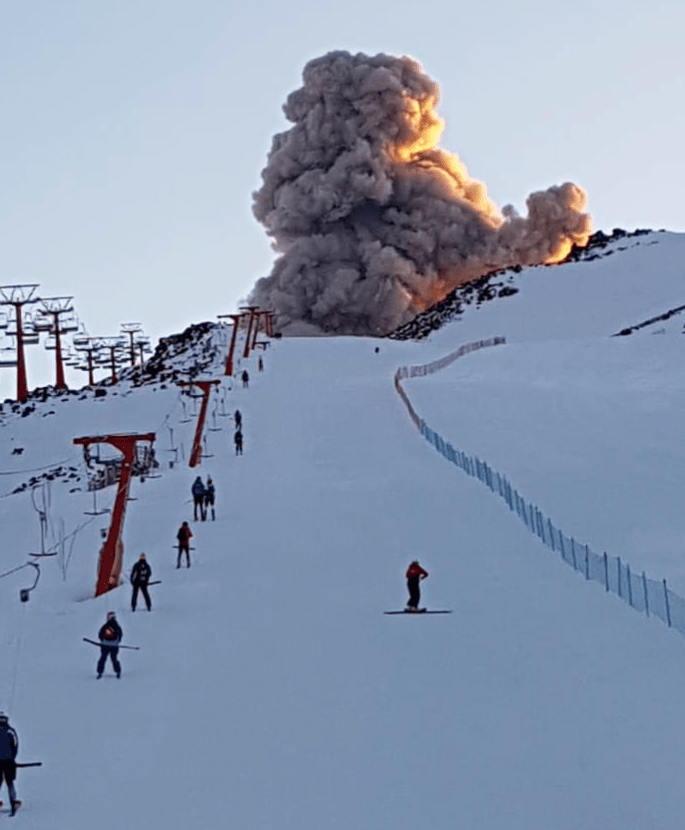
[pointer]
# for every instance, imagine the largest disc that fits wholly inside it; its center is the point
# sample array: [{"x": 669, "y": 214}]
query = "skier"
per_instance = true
[
  {"x": 238, "y": 418},
  {"x": 209, "y": 496},
  {"x": 415, "y": 573},
  {"x": 184, "y": 535},
  {"x": 260, "y": 364},
  {"x": 245, "y": 379},
  {"x": 9, "y": 744},
  {"x": 238, "y": 439},
  {"x": 198, "y": 491},
  {"x": 140, "y": 576},
  {"x": 110, "y": 635}
]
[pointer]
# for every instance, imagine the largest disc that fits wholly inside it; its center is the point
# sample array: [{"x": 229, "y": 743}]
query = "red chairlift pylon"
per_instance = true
[
  {"x": 131, "y": 329},
  {"x": 206, "y": 387},
  {"x": 112, "y": 551},
  {"x": 236, "y": 325},
  {"x": 251, "y": 310},
  {"x": 18, "y": 296},
  {"x": 54, "y": 307},
  {"x": 91, "y": 347},
  {"x": 114, "y": 346}
]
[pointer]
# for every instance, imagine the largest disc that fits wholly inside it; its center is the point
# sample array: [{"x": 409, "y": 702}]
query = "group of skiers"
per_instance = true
[
  {"x": 203, "y": 498},
  {"x": 110, "y": 636}
]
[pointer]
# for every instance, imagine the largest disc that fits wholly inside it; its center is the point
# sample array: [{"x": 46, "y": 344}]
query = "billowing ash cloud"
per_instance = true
[{"x": 372, "y": 220}]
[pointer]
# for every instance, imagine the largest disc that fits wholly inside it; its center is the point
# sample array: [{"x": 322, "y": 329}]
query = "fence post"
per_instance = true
[
  {"x": 668, "y": 607},
  {"x": 587, "y": 562},
  {"x": 644, "y": 585},
  {"x": 630, "y": 588},
  {"x": 606, "y": 571},
  {"x": 618, "y": 560},
  {"x": 551, "y": 534}
]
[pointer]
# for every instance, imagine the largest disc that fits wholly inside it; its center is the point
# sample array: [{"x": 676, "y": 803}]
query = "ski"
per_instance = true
[
  {"x": 96, "y": 643},
  {"x": 418, "y": 611}
]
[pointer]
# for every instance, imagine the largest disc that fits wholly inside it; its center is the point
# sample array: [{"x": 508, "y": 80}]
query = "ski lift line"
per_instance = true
[
  {"x": 34, "y": 469},
  {"x": 18, "y": 568}
]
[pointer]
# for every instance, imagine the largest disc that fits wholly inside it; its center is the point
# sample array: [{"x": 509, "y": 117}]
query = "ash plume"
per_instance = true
[{"x": 372, "y": 221}]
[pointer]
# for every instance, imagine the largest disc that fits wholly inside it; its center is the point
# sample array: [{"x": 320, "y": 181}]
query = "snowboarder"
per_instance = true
[
  {"x": 238, "y": 439},
  {"x": 198, "y": 491},
  {"x": 209, "y": 497},
  {"x": 9, "y": 745},
  {"x": 415, "y": 573},
  {"x": 110, "y": 635},
  {"x": 140, "y": 577},
  {"x": 184, "y": 535},
  {"x": 245, "y": 377},
  {"x": 238, "y": 418}
]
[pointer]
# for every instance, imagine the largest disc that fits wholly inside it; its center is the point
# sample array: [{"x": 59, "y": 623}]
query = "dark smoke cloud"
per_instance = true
[{"x": 372, "y": 221}]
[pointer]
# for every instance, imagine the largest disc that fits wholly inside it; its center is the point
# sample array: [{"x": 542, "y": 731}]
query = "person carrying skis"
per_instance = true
[
  {"x": 238, "y": 440},
  {"x": 415, "y": 573},
  {"x": 198, "y": 491},
  {"x": 9, "y": 745},
  {"x": 209, "y": 497},
  {"x": 140, "y": 576},
  {"x": 110, "y": 635},
  {"x": 184, "y": 536}
]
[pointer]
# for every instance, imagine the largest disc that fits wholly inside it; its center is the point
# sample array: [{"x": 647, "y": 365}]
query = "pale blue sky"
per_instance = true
[{"x": 134, "y": 132}]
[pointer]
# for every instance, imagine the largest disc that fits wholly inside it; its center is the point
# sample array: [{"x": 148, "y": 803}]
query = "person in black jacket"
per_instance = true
[
  {"x": 198, "y": 491},
  {"x": 209, "y": 497},
  {"x": 9, "y": 745},
  {"x": 140, "y": 576},
  {"x": 110, "y": 635}
]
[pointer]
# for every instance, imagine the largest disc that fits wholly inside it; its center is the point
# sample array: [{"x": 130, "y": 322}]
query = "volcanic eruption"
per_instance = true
[{"x": 373, "y": 221}]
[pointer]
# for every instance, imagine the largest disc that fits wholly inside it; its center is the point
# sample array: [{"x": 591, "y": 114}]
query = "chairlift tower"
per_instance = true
[
  {"x": 131, "y": 329},
  {"x": 143, "y": 344},
  {"x": 114, "y": 346},
  {"x": 258, "y": 317},
  {"x": 18, "y": 296},
  {"x": 112, "y": 551},
  {"x": 251, "y": 310},
  {"x": 55, "y": 307},
  {"x": 91, "y": 346},
  {"x": 236, "y": 325},
  {"x": 206, "y": 387}
]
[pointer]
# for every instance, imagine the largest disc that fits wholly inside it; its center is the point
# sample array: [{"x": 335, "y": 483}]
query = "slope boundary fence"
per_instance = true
[{"x": 650, "y": 596}]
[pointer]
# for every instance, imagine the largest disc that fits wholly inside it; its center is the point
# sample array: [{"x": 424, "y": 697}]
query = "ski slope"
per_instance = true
[{"x": 270, "y": 691}]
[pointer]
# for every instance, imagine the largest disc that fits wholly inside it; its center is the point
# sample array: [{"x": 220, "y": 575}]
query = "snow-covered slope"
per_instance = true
[{"x": 270, "y": 691}]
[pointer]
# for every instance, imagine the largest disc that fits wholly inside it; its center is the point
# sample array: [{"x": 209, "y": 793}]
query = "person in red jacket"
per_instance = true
[
  {"x": 415, "y": 573},
  {"x": 184, "y": 536}
]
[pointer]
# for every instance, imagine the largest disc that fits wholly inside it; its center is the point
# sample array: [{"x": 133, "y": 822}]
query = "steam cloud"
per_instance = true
[{"x": 372, "y": 220}]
